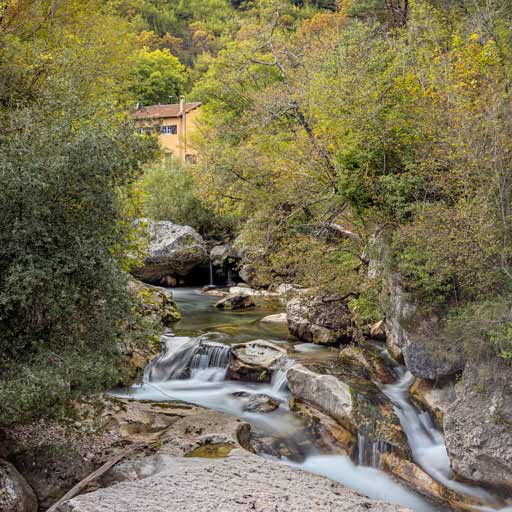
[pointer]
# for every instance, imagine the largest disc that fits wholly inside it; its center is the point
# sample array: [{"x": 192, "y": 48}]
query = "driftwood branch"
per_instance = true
[
  {"x": 340, "y": 230},
  {"x": 80, "y": 486}
]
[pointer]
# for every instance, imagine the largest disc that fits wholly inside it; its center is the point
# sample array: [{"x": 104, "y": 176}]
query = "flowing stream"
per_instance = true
[{"x": 192, "y": 368}]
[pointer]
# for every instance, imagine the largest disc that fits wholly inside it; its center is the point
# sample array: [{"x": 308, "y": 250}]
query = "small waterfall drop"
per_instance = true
[
  {"x": 184, "y": 357},
  {"x": 210, "y": 361},
  {"x": 426, "y": 441},
  {"x": 368, "y": 451},
  {"x": 210, "y": 264}
]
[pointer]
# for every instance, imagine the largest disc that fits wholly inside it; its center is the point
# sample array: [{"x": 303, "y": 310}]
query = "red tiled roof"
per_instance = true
[{"x": 157, "y": 111}]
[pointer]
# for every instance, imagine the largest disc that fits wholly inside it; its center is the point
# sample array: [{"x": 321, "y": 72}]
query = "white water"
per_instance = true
[
  {"x": 426, "y": 441},
  {"x": 206, "y": 386}
]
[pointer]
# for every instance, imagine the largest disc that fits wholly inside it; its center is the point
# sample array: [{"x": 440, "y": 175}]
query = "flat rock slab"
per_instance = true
[{"x": 240, "y": 482}]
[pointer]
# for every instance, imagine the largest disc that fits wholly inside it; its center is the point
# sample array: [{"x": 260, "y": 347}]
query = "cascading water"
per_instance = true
[
  {"x": 426, "y": 441},
  {"x": 193, "y": 369}
]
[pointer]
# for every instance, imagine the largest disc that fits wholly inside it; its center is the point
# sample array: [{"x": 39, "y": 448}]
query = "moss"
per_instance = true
[{"x": 212, "y": 451}]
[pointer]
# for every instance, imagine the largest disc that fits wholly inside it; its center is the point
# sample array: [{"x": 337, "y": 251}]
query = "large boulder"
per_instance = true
[
  {"x": 321, "y": 320},
  {"x": 173, "y": 250},
  {"x": 417, "y": 337},
  {"x": 323, "y": 392},
  {"x": 255, "y": 361},
  {"x": 16, "y": 495},
  {"x": 236, "y": 301},
  {"x": 478, "y": 426},
  {"x": 238, "y": 482}
]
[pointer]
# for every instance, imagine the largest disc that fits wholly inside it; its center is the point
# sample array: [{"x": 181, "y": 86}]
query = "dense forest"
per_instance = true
[{"x": 360, "y": 148}]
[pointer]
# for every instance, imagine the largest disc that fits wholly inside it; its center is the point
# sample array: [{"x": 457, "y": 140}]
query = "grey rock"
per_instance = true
[
  {"x": 250, "y": 274},
  {"x": 478, "y": 426},
  {"x": 324, "y": 392},
  {"x": 238, "y": 483},
  {"x": 220, "y": 253},
  {"x": 173, "y": 250},
  {"x": 417, "y": 338},
  {"x": 236, "y": 301},
  {"x": 255, "y": 361},
  {"x": 322, "y": 320},
  {"x": 260, "y": 403},
  {"x": 16, "y": 495}
]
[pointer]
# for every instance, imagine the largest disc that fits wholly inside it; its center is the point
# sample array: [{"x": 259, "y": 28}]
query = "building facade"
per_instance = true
[{"x": 174, "y": 124}]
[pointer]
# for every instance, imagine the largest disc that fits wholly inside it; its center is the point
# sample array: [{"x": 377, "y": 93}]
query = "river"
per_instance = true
[{"x": 205, "y": 385}]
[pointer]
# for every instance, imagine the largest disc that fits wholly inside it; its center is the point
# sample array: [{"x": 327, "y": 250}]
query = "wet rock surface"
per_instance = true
[
  {"x": 478, "y": 426},
  {"x": 434, "y": 397},
  {"x": 173, "y": 250},
  {"x": 324, "y": 392},
  {"x": 236, "y": 301},
  {"x": 237, "y": 483},
  {"x": 322, "y": 320},
  {"x": 255, "y": 361}
]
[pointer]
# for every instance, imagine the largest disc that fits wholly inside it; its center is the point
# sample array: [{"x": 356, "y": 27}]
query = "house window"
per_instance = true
[{"x": 170, "y": 129}]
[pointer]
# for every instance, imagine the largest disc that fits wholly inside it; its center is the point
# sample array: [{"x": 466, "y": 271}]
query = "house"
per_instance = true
[{"x": 174, "y": 123}]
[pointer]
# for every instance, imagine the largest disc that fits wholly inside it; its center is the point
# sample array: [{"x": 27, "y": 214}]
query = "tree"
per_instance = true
[{"x": 158, "y": 77}]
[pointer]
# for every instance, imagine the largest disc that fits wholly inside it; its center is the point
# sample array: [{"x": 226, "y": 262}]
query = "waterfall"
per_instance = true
[
  {"x": 211, "y": 271},
  {"x": 210, "y": 361},
  {"x": 182, "y": 357},
  {"x": 368, "y": 451},
  {"x": 426, "y": 441}
]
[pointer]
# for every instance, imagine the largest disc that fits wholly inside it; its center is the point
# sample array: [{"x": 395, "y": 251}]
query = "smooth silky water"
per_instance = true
[{"x": 205, "y": 385}]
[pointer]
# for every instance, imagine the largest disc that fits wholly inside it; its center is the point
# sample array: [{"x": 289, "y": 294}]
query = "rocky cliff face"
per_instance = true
[
  {"x": 478, "y": 426},
  {"x": 417, "y": 337}
]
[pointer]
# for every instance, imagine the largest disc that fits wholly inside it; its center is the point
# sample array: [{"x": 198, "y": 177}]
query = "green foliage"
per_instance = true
[
  {"x": 158, "y": 77},
  {"x": 66, "y": 150},
  {"x": 501, "y": 341},
  {"x": 168, "y": 193}
]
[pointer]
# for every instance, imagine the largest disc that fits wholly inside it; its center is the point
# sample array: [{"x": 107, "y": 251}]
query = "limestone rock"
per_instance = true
[
  {"x": 173, "y": 250},
  {"x": 16, "y": 495},
  {"x": 375, "y": 366},
  {"x": 260, "y": 403},
  {"x": 279, "y": 318},
  {"x": 250, "y": 274},
  {"x": 255, "y": 361},
  {"x": 322, "y": 320},
  {"x": 236, "y": 301},
  {"x": 324, "y": 392},
  {"x": 237, "y": 483},
  {"x": 434, "y": 397},
  {"x": 220, "y": 253},
  {"x": 416, "y": 337},
  {"x": 478, "y": 426},
  {"x": 157, "y": 303}
]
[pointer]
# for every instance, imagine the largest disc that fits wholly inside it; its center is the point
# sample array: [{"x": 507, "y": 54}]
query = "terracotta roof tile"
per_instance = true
[{"x": 157, "y": 111}]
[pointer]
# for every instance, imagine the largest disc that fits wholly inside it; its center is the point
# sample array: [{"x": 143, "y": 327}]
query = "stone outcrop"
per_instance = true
[
  {"x": 16, "y": 495},
  {"x": 173, "y": 250},
  {"x": 255, "y": 361},
  {"x": 221, "y": 253},
  {"x": 250, "y": 274},
  {"x": 323, "y": 392},
  {"x": 416, "y": 337},
  {"x": 236, "y": 483},
  {"x": 236, "y": 301},
  {"x": 156, "y": 303},
  {"x": 321, "y": 320},
  {"x": 478, "y": 426},
  {"x": 371, "y": 363},
  {"x": 434, "y": 397},
  {"x": 279, "y": 318}
]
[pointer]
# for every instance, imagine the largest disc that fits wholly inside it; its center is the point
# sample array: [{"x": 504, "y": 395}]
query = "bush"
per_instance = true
[{"x": 168, "y": 194}]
